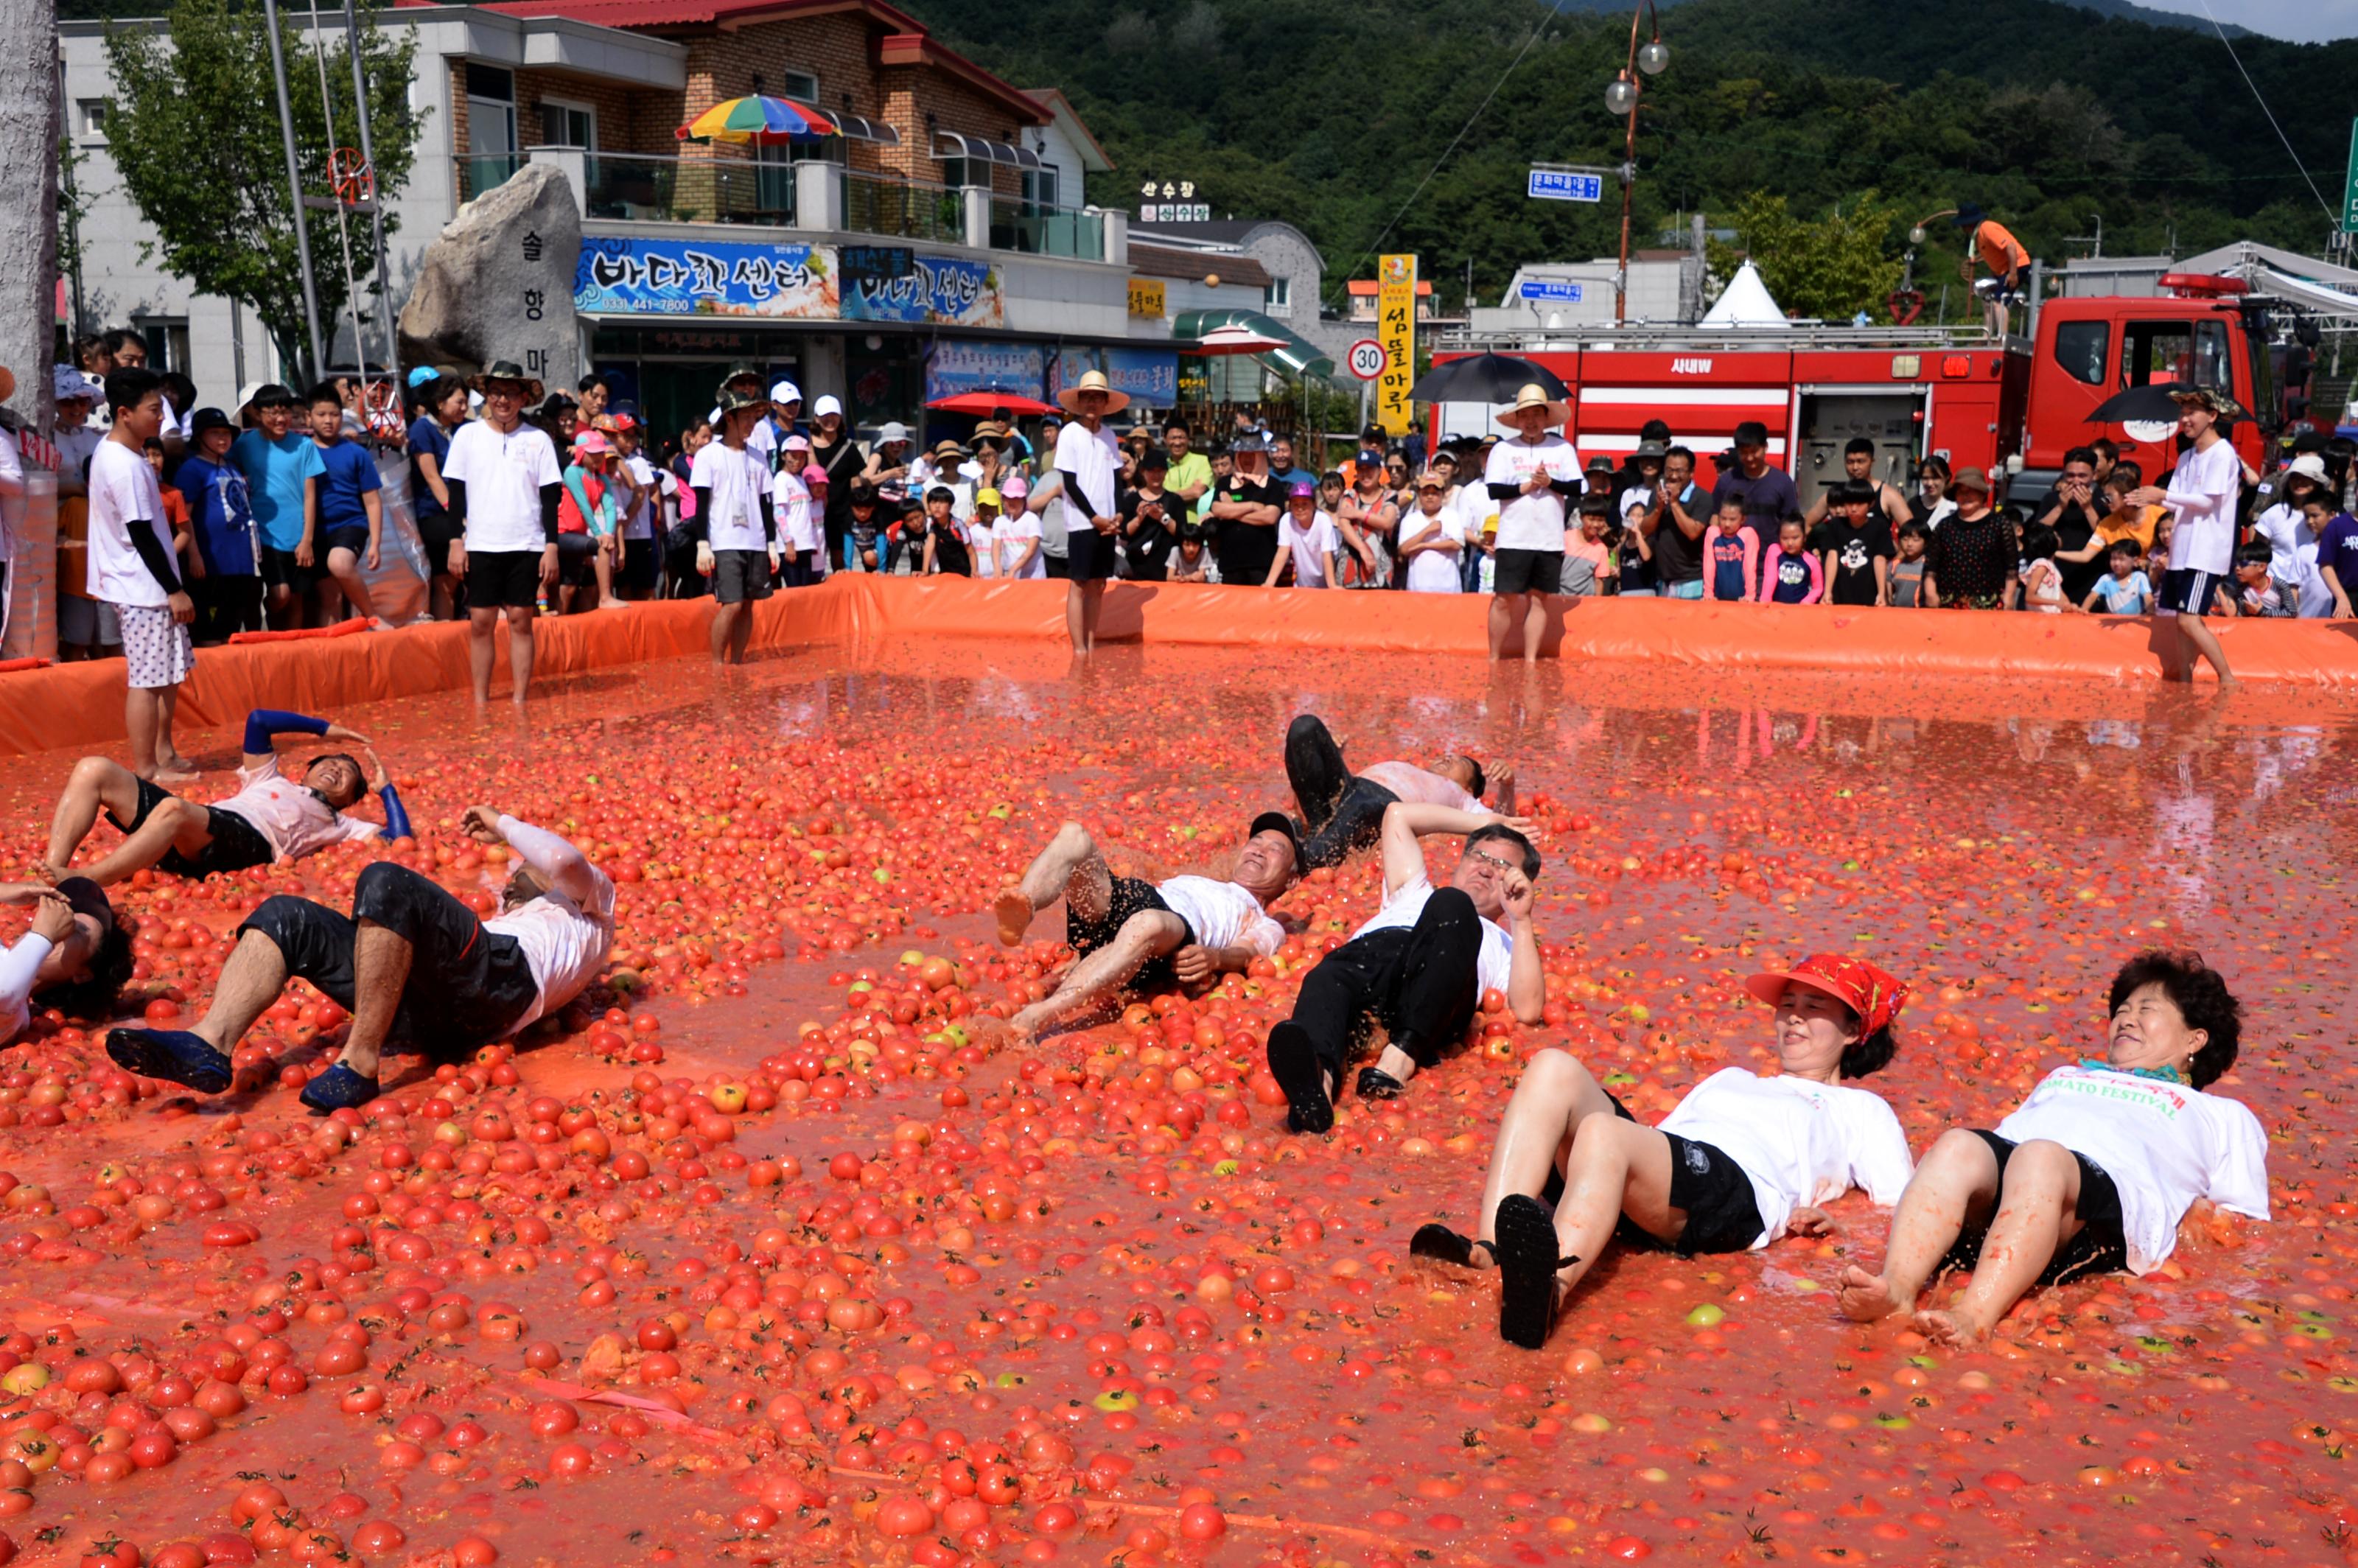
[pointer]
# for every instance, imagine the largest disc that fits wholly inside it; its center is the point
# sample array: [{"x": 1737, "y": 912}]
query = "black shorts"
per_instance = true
[
  {"x": 437, "y": 534},
  {"x": 237, "y": 845},
  {"x": 2100, "y": 1248},
  {"x": 1528, "y": 571},
  {"x": 1091, "y": 557},
  {"x": 279, "y": 570},
  {"x": 2185, "y": 591},
  {"x": 740, "y": 575},
  {"x": 1130, "y": 895},
  {"x": 467, "y": 986},
  {"x": 1056, "y": 566},
  {"x": 354, "y": 539},
  {"x": 1712, "y": 1190},
  {"x": 502, "y": 580},
  {"x": 638, "y": 564},
  {"x": 576, "y": 556},
  {"x": 800, "y": 572}
]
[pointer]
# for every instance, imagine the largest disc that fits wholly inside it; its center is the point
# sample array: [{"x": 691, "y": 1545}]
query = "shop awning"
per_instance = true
[
  {"x": 981, "y": 150},
  {"x": 863, "y": 130},
  {"x": 1299, "y": 356}
]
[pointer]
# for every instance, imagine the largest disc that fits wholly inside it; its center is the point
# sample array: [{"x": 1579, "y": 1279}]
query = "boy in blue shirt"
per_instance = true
[
  {"x": 351, "y": 513},
  {"x": 282, "y": 470},
  {"x": 227, "y": 580},
  {"x": 2124, "y": 589}
]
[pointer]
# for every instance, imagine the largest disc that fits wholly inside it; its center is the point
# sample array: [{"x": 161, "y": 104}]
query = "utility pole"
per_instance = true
[
  {"x": 31, "y": 82},
  {"x": 375, "y": 197},
  {"x": 295, "y": 190}
]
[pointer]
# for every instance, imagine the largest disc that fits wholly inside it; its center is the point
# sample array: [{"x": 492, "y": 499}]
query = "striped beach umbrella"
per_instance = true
[{"x": 758, "y": 120}]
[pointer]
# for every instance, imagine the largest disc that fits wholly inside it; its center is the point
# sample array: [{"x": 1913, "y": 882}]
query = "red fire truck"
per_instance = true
[{"x": 2000, "y": 405}]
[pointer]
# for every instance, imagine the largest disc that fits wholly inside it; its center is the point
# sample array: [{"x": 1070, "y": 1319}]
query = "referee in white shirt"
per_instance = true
[{"x": 504, "y": 479}]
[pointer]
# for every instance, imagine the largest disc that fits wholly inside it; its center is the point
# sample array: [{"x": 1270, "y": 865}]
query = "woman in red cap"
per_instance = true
[
  {"x": 1743, "y": 1159},
  {"x": 2093, "y": 1172}
]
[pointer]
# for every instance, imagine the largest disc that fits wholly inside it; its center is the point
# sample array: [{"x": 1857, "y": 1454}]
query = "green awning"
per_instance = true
[{"x": 1299, "y": 356}]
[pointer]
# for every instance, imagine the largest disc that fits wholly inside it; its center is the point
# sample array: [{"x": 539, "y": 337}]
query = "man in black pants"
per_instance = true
[
  {"x": 411, "y": 962},
  {"x": 1420, "y": 967},
  {"x": 1342, "y": 812}
]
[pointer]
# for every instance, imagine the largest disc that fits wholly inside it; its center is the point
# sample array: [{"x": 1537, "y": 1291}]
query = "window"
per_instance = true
[
  {"x": 566, "y": 125},
  {"x": 958, "y": 172},
  {"x": 2157, "y": 350},
  {"x": 1278, "y": 296},
  {"x": 800, "y": 84},
  {"x": 2083, "y": 350},
  {"x": 168, "y": 343},
  {"x": 90, "y": 119},
  {"x": 492, "y": 155},
  {"x": 1040, "y": 188}
]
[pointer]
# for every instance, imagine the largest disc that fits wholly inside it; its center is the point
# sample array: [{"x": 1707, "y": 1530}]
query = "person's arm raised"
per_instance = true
[
  {"x": 1526, "y": 981},
  {"x": 565, "y": 868}
]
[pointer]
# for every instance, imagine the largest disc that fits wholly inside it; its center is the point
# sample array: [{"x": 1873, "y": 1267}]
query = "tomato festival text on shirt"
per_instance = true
[{"x": 2160, "y": 1097}]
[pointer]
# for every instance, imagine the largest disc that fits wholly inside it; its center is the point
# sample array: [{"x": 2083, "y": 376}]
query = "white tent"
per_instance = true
[{"x": 1744, "y": 302}]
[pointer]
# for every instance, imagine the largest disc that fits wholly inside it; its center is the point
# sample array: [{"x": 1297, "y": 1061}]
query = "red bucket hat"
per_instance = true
[{"x": 1858, "y": 985}]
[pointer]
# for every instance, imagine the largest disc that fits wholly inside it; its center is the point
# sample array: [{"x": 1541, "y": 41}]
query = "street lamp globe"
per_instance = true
[
  {"x": 1653, "y": 57},
  {"x": 1621, "y": 96}
]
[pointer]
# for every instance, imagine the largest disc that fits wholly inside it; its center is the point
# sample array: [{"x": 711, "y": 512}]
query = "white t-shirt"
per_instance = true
[
  {"x": 1418, "y": 787},
  {"x": 790, "y": 500},
  {"x": 1433, "y": 571},
  {"x": 2203, "y": 491},
  {"x": 984, "y": 539},
  {"x": 653, "y": 486},
  {"x": 2163, "y": 1144},
  {"x": 19, "y": 965},
  {"x": 296, "y": 821},
  {"x": 1311, "y": 547},
  {"x": 1015, "y": 528},
  {"x": 1222, "y": 915},
  {"x": 503, "y": 474},
  {"x": 1492, "y": 969},
  {"x": 75, "y": 448},
  {"x": 2292, "y": 557},
  {"x": 761, "y": 440},
  {"x": 1532, "y": 522},
  {"x": 12, "y": 507},
  {"x": 735, "y": 477},
  {"x": 564, "y": 934},
  {"x": 1799, "y": 1141},
  {"x": 123, "y": 495},
  {"x": 1089, "y": 460}
]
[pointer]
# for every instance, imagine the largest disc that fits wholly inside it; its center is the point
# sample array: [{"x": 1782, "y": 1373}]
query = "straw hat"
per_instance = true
[
  {"x": 8, "y": 384},
  {"x": 1533, "y": 395},
  {"x": 1093, "y": 381}
]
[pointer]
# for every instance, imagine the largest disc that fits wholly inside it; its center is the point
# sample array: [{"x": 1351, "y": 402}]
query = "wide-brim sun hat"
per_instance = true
[
  {"x": 1533, "y": 395},
  {"x": 1093, "y": 381}
]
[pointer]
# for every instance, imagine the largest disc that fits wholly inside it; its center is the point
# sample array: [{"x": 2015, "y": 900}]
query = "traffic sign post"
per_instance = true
[
  {"x": 1550, "y": 182},
  {"x": 1368, "y": 360}
]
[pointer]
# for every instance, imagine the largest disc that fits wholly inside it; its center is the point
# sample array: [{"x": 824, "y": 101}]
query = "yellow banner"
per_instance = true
[
  {"x": 1146, "y": 296},
  {"x": 1396, "y": 329}
]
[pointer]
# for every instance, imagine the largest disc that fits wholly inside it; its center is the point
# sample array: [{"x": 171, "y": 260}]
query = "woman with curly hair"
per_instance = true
[
  {"x": 1744, "y": 1159},
  {"x": 2092, "y": 1173}
]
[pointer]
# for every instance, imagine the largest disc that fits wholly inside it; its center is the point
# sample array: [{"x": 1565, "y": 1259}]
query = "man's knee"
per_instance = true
[
  {"x": 1306, "y": 729},
  {"x": 279, "y": 920},
  {"x": 389, "y": 895},
  {"x": 92, "y": 773},
  {"x": 1152, "y": 933}
]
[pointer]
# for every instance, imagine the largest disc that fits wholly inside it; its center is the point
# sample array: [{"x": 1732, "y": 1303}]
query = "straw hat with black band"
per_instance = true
[
  {"x": 1093, "y": 381},
  {"x": 1534, "y": 395}
]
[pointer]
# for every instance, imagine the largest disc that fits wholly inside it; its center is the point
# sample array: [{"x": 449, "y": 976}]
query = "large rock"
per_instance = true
[{"x": 498, "y": 283}]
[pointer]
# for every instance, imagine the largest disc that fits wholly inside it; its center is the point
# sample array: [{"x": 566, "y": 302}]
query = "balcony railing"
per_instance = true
[
  {"x": 479, "y": 172},
  {"x": 907, "y": 209},
  {"x": 688, "y": 190},
  {"x": 1036, "y": 229}
]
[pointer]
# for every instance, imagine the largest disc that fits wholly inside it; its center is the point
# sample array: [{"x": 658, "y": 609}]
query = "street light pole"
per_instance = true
[{"x": 1621, "y": 98}]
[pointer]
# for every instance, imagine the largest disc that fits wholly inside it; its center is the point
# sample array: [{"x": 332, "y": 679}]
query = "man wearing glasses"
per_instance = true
[{"x": 1421, "y": 967}]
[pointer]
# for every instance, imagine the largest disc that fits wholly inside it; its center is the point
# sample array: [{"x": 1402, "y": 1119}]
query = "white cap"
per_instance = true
[
  {"x": 2309, "y": 465},
  {"x": 893, "y": 430},
  {"x": 713, "y": 419},
  {"x": 827, "y": 404},
  {"x": 65, "y": 382},
  {"x": 785, "y": 392}
]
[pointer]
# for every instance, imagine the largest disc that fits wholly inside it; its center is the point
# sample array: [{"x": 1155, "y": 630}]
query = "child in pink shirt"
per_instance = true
[{"x": 1789, "y": 573}]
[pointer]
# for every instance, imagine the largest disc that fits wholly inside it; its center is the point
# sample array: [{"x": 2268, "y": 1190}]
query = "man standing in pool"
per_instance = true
[
  {"x": 1125, "y": 930},
  {"x": 411, "y": 962},
  {"x": 1342, "y": 812},
  {"x": 271, "y": 817},
  {"x": 1420, "y": 966}
]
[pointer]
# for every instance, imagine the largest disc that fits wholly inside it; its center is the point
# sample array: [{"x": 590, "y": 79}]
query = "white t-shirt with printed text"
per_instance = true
[
  {"x": 1310, "y": 547},
  {"x": 736, "y": 477},
  {"x": 1532, "y": 522}
]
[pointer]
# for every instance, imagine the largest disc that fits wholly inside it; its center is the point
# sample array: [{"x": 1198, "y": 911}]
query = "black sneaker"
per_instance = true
[
  {"x": 1527, "y": 1266},
  {"x": 1293, "y": 1063},
  {"x": 180, "y": 1056},
  {"x": 339, "y": 1088}
]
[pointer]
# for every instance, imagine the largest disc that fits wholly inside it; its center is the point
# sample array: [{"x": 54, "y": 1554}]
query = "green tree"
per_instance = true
[
  {"x": 1830, "y": 267},
  {"x": 194, "y": 134}
]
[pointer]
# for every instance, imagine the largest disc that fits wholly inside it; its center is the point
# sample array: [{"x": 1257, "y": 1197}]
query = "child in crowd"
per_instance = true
[
  {"x": 2093, "y": 1172},
  {"x": 1019, "y": 541},
  {"x": 1730, "y": 554},
  {"x": 1191, "y": 562},
  {"x": 175, "y": 507},
  {"x": 2257, "y": 593},
  {"x": 588, "y": 515},
  {"x": 2157, "y": 556},
  {"x": 982, "y": 534},
  {"x": 1306, "y": 539},
  {"x": 351, "y": 510},
  {"x": 2124, "y": 589},
  {"x": 1743, "y": 1159},
  {"x": 1587, "y": 553},
  {"x": 2042, "y": 579},
  {"x": 1908, "y": 571},
  {"x": 226, "y": 581},
  {"x": 802, "y": 541},
  {"x": 945, "y": 536},
  {"x": 648, "y": 519},
  {"x": 1431, "y": 539},
  {"x": 1789, "y": 573}
]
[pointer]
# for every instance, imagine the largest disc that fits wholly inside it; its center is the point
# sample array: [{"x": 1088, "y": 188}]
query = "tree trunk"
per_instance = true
[{"x": 28, "y": 200}]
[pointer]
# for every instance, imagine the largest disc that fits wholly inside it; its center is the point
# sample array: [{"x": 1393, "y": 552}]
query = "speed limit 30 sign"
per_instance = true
[{"x": 1368, "y": 360}]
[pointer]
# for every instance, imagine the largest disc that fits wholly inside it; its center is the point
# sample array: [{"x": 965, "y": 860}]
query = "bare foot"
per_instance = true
[
  {"x": 1028, "y": 1024},
  {"x": 1014, "y": 909},
  {"x": 168, "y": 775},
  {"x": 1954, "y": 1328},
  {"x": 1866, "y": 1297},
  {"x": 53, "y": 874},
  {"x": 613, "y": 604}
]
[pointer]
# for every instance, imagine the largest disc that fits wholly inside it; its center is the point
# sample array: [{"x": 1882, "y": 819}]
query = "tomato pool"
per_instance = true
[{"x": 772, "y": 1251}]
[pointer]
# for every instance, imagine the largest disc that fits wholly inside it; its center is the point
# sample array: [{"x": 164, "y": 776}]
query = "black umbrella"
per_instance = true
[
  {"x": 1484, "y": 378},
  {"x": 2152, "y": 403}
]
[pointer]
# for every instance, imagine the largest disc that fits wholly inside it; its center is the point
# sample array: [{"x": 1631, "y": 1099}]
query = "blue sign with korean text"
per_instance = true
[
  {"x": 1563, "y": 185},
  {"x": 1551, "y": 289},
  {"x": 954, "y": 367},
  {"x": 1150, "y": 376},
  {"x": 638, "y": 277},
  {"x": 943, "y": 290}
]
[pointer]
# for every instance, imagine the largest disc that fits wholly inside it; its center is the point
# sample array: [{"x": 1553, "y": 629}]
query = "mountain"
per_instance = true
[
  {"x": 2124, "y": 9},
  {"x": 1409, "y": 123}
]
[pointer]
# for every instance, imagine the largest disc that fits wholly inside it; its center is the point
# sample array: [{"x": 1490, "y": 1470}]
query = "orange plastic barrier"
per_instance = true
[
  {"x": 80, "y": 704},
  {"x": 34, "y": 663},
  {"x": 303, "y": 634}
]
